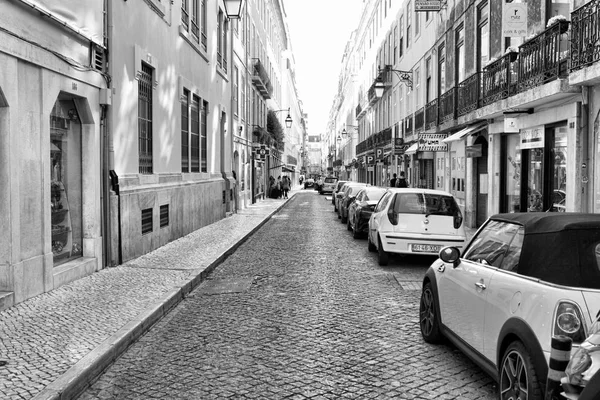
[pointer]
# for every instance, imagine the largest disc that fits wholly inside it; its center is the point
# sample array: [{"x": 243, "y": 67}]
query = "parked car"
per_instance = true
[
  {"x": 338, "y": 186},
  {"x": 360, "y": 210},
  {"x": 340, "y": 195},
  {"x": 328, "y": 185},
  {"x": 523, "y": 278},
  {"x": 349, "y": 195},
  {"x": 309, "y": 183},
  {"x": 415, "y": 221}
]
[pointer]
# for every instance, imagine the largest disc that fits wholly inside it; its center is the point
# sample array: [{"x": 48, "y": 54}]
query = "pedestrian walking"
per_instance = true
[
  {"x": 401, "y": 182},
  {"x": 285, "y": 186},
  {"x": 393, "y": 181},
  {"x": 279, "y": 187}
]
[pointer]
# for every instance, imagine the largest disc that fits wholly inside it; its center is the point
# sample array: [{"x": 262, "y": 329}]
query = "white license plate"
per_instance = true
[{"x": 426, "y": 248}]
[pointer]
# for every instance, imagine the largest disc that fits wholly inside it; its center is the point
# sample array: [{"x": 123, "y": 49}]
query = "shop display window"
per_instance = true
[
  {"x": 513, "y": 173},
  {"x": 65, "y": 185}
]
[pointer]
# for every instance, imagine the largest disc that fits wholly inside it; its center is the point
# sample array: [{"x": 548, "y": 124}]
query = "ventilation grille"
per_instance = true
[
  {"x": 146, "y": 221},
  {"x": 164, "y": 215},
  {"x": 98, "y": 58}
]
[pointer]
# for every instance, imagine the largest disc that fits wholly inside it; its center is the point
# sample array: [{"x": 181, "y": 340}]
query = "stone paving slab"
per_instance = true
[{"x": 57, "y": 342}]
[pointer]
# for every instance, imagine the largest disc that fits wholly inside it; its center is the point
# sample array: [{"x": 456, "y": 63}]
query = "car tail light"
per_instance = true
[
  {"x": 458, "y": 219},
  {"x": 568, "y": 322},
  {"x": 392, "y": 216}
]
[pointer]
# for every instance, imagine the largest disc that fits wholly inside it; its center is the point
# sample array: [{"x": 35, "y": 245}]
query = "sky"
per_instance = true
[{"x": 319, "y": 31}]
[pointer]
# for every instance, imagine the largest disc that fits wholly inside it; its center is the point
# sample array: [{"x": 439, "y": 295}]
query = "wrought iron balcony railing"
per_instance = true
[
  {"x": 431, "y": 114},
  {"x": 408, "y": 125},
  {"x": 585, "y": 35},
  {"x": 420, "y": 120},
  {"x": 468, "y": 95},
  {"x": 500, "y": 79},
  {"x": 447, "y": 110},
  {"x": 544, "y": 57},
  {"x": 358, "y": 110},
  {"x": 260, "y": 79}
]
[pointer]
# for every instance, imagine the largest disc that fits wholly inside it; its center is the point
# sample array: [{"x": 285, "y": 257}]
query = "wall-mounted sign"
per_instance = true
[
  {"x": 532, "y": 138},
  {"x": 378, "y": 153},
  {"x": 370, "y": 160},
  {"x": 514, "y": 19},
  {"x": 432, "y": 142},
  {"x": 262, "y": 152},
  {"x": 474, "y": 151},
  {"x": 428, "y": 5},
  {"x": 510, "y": 125}
]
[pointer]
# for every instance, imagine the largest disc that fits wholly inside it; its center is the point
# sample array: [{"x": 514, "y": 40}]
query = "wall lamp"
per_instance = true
[
  {"x": 404, "y": 76},
  {"x": 345, "y": 133},
  {"x": 233, "y": 8},
  {"x": 288, "y": 119}
]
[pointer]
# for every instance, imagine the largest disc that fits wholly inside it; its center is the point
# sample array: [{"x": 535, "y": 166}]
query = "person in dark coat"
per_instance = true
[
  {"x": 401, "y": 182},
  {"x": 393, "y": 181}
]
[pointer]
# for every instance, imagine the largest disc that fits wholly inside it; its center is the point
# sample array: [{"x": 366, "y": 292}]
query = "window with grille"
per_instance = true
[
  {"x": 145, "y": 119},
  {"x": 185, "y": 141},
  {"x": 195, "y": 134},
  {"x": 203, "y": 144},
  {"x": 164, "y": 215},
  {"x": 146, "y": 221}
]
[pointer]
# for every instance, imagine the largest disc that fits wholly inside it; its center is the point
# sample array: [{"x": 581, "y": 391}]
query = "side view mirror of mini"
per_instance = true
[{"x": 450, "y": 255}]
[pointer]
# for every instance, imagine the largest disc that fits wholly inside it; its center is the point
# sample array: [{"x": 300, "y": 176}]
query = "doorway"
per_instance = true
[{"x": 481, "y": 177}]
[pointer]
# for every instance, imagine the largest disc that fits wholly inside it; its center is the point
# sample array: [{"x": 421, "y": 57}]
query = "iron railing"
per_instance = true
[
  {"x": 420, "y": 120},
  {"x": 447, "y": 110},
  {"x": 260, "y": 79},
  {"x": 431, "y": 114},
  {"x": 468, "y": 95},
  {"x": 543, "y": 58},
  {"x": 408, "y": 125},
  {"x": 500, "y": 79},
  {"x": 585, "y": 35}
]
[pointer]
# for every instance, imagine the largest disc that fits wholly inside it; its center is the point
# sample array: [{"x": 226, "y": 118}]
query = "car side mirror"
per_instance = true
[{"x": 450, "y": 255}]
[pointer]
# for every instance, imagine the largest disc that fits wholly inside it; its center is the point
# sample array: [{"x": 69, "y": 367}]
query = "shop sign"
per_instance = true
[
  {"x": 514, "y": 19},
  {"x": 379, "y": 153},
  {"x": 432, "y": 142},
  {"x": 474, "y": 151},
  {"x": 510, "y": 125},
  {"x": 532, "y": 138},
  {"x": 370, "y": 160},
  {"x": 428, "y": 5},
  {"x": 262, "y": 152}
]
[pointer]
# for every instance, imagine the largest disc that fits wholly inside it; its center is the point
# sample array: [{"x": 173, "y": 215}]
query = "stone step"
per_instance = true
[{"x": 7, "y": 300}]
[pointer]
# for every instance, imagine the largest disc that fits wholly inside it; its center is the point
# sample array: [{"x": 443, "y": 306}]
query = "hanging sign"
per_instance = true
[
  {"x": 432, "y": 142},
  {"x": 510, "y": 125},
  {"x": 514, "y": 19},
  {"x": 532, "y": 138},
  {"x": 379, "y": 153},
  {"x": 370, "y": 160},
  {"x": 428, "y": 5}
]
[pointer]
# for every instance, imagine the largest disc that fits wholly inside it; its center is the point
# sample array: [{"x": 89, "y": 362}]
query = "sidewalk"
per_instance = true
[{"x": 57, "y": 342}]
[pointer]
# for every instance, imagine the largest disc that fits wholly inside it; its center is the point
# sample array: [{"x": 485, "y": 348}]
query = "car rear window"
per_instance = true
[
  {"x": 330, "y": 180},
  {"x": 374, "y": 195},
  {"x": 430, "y": 204}
]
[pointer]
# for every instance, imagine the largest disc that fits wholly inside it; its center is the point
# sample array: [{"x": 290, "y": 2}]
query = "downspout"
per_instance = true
[{"x": 587, "y": 141}]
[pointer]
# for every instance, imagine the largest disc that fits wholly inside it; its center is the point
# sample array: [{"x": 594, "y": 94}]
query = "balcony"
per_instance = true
[
  {"x": 500, "y": 79},
  {"x": 431, "y": 114},
  {"x": 543, "y": 58},
  {"x": 260, "y": 79},
  {"x": 468, "y": 95},
  {"x": 420, "y": 120},
  {"x": 585, "y": 30},
  {"x": 408, "y": 126},
  {"x": 371, "y": 95},
  {"x": 359, "y": 110},
  {"x": 446, "y": 110}
]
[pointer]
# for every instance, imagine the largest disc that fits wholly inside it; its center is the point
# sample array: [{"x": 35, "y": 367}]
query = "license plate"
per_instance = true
[{"x": 426, "y": 248}]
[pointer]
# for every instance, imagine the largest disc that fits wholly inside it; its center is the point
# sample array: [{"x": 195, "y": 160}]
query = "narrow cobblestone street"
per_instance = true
[{"x": 299, "y": 311}]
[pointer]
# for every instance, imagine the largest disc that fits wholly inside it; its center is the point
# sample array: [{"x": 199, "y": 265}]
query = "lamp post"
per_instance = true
[{"x": 288, "y": 119}]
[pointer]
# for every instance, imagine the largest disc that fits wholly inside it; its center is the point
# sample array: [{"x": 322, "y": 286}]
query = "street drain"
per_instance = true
[
  {"x": 224, "y": 286},
  {"x": 3, "y": 363}
]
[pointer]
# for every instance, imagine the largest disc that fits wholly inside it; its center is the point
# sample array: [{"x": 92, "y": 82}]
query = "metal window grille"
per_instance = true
[
  {"x": 146, "y": 221},
  {"x": 185, "y": 140},
  {"x": 203, "y": 144},
  {"x": 145, "y": 119},
  {"x": 195, "y": 134},
  {"x": 164, "y": 215}
]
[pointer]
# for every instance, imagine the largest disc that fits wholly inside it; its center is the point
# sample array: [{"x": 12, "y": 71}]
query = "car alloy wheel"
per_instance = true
[
  {"x": 428, "y": 317},
  {"x": 383, "y": 255},
  {"x": 518, "y": 379}
]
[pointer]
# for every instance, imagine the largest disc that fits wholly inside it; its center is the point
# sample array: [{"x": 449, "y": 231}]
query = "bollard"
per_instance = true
[{"x": 560, "y": 354}]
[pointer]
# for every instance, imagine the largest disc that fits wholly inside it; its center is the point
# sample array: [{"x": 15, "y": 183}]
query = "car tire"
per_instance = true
[
  {"x": 384, "y": 256},
  {"x": 355, "y": 233},
  {"x": 370, "y": 244},
  {"x": 517, "y": 366},
  {"x": 429, "y": 320},
  {"x": 343, "y": 219},
  {"x": 348, "y": 226}
]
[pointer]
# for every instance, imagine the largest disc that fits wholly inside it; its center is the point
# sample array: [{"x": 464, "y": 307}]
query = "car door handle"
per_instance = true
[{"x": 480, "y": 285}]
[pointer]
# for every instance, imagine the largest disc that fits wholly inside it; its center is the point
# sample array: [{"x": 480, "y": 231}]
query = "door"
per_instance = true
[{"x": 482, "y": 181}]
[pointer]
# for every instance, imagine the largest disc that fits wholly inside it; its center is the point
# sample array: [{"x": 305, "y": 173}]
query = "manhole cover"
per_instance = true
[{"x": 222, "y": 286}]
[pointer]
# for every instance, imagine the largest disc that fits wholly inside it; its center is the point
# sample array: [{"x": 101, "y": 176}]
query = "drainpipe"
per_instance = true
[{"x": 586, "y": 142}]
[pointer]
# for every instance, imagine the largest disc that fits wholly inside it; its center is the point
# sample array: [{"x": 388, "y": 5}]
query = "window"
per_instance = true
[
  {"x": 185, "y": 15},
  {"x": 417, "y": 83},
  {"x": 511, "y": 259},
  {"x": 401, "y": 38},
  {"x": 203, "y": 144},
  {"x": 145, "y": 119},
  {"x": 483, "y": 37},
  {"x": 224, "y": 41},
  {"x": 195, "y": 134},
  {"x": 234, "y": 91},
  {"x": 220, "y": 39},
  {"x": 441, "y": 69},
  {"x": 408, "y": 23},
  {"x": 203, "y": 23},
  {"x": 460, "y": 54},
  {"x": 428, "y": 81},
  {"x": 185, "y": 145},
  {"x": 164, "y": 215},
  {"x": 146, "y": 221},
  {"x": 195, "y": 15},
  {"x": 492, "y": 243},
  {"x": 395, "y": 55},
  {"x": 417, "y": 24}
]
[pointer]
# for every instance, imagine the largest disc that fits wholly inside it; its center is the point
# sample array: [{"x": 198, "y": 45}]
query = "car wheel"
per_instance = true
[
  {"x": 429, "y": 320},
  {"x": 518, "y": 379},
  {"x": 348, "y": 226},
  {"x": 383, "y": 255},
  {"x": 370, "y": 244},
  {"x": 343, "y": 219}
]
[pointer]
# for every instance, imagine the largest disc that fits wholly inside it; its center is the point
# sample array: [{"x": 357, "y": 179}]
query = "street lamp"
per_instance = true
[
  {"x": 288, "y": 119},
  {"x": 404, "y": 76},
  {"x": 345, "y": 133},
  {"x": 233, "y": 8}
]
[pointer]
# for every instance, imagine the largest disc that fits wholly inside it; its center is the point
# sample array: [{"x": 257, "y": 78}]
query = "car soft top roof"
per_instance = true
[{"x": 542, "y": 222}]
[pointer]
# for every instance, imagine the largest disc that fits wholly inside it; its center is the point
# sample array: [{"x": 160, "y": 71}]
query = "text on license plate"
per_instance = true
[{"x": 427, "y": 248}]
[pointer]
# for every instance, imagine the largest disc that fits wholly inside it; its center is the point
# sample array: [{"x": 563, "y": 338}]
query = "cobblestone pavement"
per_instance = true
[{"x": 300, "y": 311}]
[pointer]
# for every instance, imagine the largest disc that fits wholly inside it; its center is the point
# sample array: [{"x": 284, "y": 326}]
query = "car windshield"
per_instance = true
[
  {"x": 425, "y": 203},
  {"x": 330, "y": 180},
  {"x": 374, "y": 195}
]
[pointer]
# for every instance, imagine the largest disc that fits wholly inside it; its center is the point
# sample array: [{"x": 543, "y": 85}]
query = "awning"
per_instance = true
[
  {"x": 412, "y": 149},
  {"x": 285, "y": 168},
  {"x": 464, "y": 132}
]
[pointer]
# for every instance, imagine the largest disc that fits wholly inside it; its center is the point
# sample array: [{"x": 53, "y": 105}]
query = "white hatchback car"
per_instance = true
[
  {"x": 415, "y": 221},
  {"x": 523, "y": 279}
]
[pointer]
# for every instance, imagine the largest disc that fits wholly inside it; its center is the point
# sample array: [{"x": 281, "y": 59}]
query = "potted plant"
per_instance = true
[
  {"x": 512, "y": 52},
  {"x": 558, "y": 19}
]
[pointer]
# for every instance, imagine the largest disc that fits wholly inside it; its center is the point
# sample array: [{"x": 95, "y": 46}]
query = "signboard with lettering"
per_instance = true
[
  {"x": 432, "y": 142},
  {"x": 532, "y": 138},
  {"x": 514, "y": 19},
  {"x": 510, "y": 125},
  {"x": 378, "y": 153},
  {"x": 370, "y": 159},
  {"x": 428, "y": 5}
]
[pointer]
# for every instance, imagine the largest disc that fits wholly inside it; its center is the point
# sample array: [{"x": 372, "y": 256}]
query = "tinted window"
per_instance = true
[
  {"x": 430, "y": 204},
  {"x": 492, "y": 243}
]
